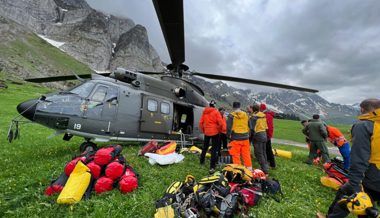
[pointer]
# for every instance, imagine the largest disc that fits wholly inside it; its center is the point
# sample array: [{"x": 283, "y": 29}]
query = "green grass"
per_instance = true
[{"x": 28, "y": 164}]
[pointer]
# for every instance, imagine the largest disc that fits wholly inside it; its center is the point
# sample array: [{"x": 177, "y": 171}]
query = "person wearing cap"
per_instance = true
[
  {"x": 211, "y": 124},
  {"x": 223, "y": 131},
  {"x": 317, "y": 134},
  {"x": 269, "y": 115},
  {"x": 238, "y": 132},
  {"x": 259, "y": 125}
]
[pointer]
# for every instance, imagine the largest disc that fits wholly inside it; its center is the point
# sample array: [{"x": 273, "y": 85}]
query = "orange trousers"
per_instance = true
[{"x": 240, "y": 148}]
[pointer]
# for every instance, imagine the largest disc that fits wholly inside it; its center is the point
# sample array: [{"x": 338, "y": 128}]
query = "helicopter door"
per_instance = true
[{"x": 156, "y": 115}]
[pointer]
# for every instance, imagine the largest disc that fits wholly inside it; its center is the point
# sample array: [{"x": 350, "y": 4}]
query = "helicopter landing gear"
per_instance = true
[{"x": 88, "y": 147}]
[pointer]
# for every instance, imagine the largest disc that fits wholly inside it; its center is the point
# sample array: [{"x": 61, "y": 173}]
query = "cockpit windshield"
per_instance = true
[{"x": 84, "y": 89}]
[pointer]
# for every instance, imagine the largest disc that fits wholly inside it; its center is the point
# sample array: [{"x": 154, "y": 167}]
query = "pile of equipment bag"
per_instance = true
[
  {"x": 164, "y": 154},
  {"x": 224, "y": 194},
  {"x": 102, "y": 170},
  {"x": 336, "y": 174}
]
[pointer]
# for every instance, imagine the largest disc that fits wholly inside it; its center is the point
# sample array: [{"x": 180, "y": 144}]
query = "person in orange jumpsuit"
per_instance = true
[
  {"x": 336, "y": 138},
  {"x": 211, "y": 124},
  {"x": 238, "y": 129}
]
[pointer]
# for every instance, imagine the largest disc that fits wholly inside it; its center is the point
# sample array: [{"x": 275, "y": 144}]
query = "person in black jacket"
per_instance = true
[{"x": 364, "y": 168}]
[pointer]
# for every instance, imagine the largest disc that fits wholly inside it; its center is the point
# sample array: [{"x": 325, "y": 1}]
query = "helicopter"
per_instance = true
[{"x": 130, "y": 105}]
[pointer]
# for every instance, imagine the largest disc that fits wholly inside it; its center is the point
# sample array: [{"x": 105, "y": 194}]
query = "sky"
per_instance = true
[{"x": 331, "y": 46}]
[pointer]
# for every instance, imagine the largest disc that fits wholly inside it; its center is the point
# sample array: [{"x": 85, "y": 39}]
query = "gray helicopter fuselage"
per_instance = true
[{"x": 137, "y": 109}]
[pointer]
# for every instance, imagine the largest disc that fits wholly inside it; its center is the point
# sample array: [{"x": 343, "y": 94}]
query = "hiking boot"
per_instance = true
[
  {"x": 211, "y": 171},
  {"x": 320, "y": 215}
]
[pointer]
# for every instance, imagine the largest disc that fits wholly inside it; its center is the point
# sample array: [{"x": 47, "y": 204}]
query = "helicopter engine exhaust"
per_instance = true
[{"x": 180, "y": 92}]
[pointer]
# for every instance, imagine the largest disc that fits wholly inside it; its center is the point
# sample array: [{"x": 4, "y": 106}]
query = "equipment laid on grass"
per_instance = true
[
  {"x": 237, "y": 173},
  {"x": 337, "y": 175},
  {"x": 196, "y": 150},
  {"x": 164, "y": 159},
  {"x": 168, "y": 148},
  {"x": 150, "y": 147},
  {"x": 107, "y": 154},
  {"x": 330, "y": 182},
  {"x": 216, "y": 195},
  {"x": 57, "y": 185},
  {"x": 76, "y": 185},
  {"x": 282, "y": 153},
  {"x": 114, "y": 172}
]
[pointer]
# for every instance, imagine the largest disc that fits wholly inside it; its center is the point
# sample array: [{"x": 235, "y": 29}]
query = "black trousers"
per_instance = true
[
  {"x": 215, "y": 148},
  {"x": 270, "y": 155},
  {"x": 335, "y": 211},
  {"x": 223, "y": 140}
]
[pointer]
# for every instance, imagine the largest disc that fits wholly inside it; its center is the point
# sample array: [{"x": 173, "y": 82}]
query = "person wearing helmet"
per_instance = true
[
  {"x": 364, "y": 171},
  {"x": 211, "y": 124}
]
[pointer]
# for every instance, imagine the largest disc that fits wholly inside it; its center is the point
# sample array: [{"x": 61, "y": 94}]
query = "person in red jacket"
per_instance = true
[
  {"x": 269, "y": 116},
  {"x": 211, "y": 124}
]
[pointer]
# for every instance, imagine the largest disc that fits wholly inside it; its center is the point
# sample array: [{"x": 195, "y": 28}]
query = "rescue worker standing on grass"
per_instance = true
[
  {"x": 336, "y": 138},
  {"x": 238, "y": 133},
  {"x": 259, "y": 124},
  {"x": 210, "y": 124},
  {"x": 317, "y": 134},
  {"x": 269, "y": 115},
  {"x": 365, "y": 158}
]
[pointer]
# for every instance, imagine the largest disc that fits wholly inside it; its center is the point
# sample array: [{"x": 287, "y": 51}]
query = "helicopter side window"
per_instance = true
[
  {"x": 152, "y": 105},
  {"x": 165, "y": 108}
]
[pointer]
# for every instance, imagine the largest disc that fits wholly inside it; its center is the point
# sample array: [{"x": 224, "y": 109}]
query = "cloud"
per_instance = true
[{"x": 326, "y": 45}]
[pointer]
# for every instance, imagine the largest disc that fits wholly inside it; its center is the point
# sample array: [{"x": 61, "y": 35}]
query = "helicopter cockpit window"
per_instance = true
[
  {"x": 100, "y": 94},
  {"x": 83, "y": 90},
  {"x": 165, "y": 108},
  {"x": 152, "y": 105}
]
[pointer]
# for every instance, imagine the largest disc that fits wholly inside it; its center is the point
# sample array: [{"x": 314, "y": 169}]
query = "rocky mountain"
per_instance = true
[
  {"x": 301, "y": 104},
  {"x": 103, "y": 42}
]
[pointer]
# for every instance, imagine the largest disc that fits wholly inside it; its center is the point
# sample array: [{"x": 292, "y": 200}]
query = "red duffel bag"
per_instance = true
[
  {"x": 107, "y": 154},
  {"x": 103, "y": 184},
  {"x": 128, "y": 182}
]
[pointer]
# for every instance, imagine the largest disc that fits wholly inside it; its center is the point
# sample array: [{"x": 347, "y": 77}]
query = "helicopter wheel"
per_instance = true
[{"x": 88, "y": 147}]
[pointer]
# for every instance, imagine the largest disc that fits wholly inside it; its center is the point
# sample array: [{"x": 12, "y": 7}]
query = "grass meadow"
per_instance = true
[{"x": 30, "y": 163}]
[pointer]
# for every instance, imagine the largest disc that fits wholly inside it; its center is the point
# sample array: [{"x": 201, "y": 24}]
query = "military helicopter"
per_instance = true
[{"x": 128, "y": 105}]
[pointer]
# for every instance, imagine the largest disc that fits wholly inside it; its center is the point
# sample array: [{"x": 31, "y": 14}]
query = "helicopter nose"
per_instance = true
[{"x": 27, "y": 109}]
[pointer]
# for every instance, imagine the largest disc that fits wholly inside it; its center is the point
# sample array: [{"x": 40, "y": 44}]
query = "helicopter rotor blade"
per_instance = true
[
  {"x": 170, "y": 16},
  {"x": 251, "y": 81},
  {"x": 62, "y": 78},
  {"x": 151, "y": 72}
]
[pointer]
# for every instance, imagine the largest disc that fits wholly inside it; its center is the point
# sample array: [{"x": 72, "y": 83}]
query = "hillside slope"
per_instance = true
[{"x": 23, "y": 54}]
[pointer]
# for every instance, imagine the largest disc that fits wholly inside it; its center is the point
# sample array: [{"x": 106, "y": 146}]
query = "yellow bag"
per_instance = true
[
  {"x": 195, "y": 149},
  {"x": 167, "y": 149},
  {"x": 236, "y": 173},
  {"x": 76, "y": 185},
  {"x": 282, "y": 153},
  {"x": 330, "y": 182},
  {"x": 165, "y": 212}
]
